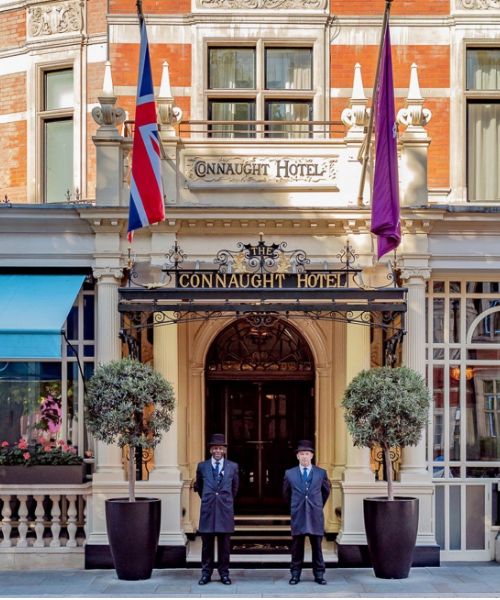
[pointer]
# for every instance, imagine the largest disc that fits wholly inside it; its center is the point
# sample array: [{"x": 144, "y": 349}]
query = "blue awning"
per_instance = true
[{"x": 33, "y": 309}]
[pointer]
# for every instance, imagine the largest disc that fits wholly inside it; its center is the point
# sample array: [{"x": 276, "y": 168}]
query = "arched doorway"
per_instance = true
[{"x": 260, "y": 393}]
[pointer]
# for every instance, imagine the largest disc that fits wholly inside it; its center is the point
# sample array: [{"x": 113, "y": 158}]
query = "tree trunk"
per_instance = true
[
  {"x": 131, "y": 474},
  {"x": 388, "y": 471}
]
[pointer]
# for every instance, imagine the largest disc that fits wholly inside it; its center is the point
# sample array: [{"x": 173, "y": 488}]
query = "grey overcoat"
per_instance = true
[
  {"x": 306, "y": 501},
  {"x": 217, "y": 497}
]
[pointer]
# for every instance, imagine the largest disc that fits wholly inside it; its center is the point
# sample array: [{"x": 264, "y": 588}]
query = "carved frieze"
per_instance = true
[
  {"x": 262, "y": 4},
  {"x": 479, "y": 4},
  {"x": 263, "y": 171},
  {"x": 49, "y": 19}
]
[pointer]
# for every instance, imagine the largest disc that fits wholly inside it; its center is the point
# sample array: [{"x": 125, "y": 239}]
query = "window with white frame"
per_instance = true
[
  {"x": 56, "y": 134},
  {"x": 260, "y": 83},
  {"x": 483, "y": 124}
]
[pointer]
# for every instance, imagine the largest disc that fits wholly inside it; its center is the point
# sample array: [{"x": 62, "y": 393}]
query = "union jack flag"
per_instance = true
[{"x": 146, "y": 189}]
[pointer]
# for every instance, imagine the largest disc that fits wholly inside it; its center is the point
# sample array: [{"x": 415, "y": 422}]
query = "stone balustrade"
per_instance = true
[{"x": 42, "y": 519}]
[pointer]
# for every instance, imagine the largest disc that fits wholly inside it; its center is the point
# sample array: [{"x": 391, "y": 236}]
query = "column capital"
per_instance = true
[
  {"x": 101, "y": 273},
  {"x": 423, "y": 273}
]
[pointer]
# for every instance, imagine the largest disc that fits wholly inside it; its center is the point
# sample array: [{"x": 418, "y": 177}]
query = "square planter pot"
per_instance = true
[{"x": 41, "y": 474}]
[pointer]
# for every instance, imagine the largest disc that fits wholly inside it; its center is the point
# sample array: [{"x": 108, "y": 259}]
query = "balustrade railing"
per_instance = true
[{"x": 36, "y": 516}]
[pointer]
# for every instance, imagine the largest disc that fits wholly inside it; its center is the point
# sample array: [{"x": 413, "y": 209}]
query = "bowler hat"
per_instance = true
[
  {"x": 217, "y": 439},
  {"x": 305, "y": 445}
]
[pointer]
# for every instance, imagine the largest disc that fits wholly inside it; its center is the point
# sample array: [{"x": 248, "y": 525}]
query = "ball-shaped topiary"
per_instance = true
[
  {"x": 128, "y": 403},
  {"x": 386, "y": 406}
]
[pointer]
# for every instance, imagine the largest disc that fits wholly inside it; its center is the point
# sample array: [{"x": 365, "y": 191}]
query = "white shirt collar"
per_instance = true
[{"x": 221, "y": 463}]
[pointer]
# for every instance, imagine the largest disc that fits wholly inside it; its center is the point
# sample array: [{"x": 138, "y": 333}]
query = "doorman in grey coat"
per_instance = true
[
  {"x": 217, "y": 484},
  {"x": 306, "y": 488}
]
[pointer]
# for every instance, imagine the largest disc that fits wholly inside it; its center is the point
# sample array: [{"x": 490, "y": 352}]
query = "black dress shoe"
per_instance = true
[
  {"x": 204, "y": 580},
  {"x": 225, "y": 580},
  {"x": 294, "y": 580},
  {"x": 320, "y": 580}
]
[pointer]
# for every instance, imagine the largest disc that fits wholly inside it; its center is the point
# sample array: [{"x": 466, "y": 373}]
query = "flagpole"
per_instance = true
[
  {"x": 368, "y": 138},
  {"x": 140, "y": 14}
]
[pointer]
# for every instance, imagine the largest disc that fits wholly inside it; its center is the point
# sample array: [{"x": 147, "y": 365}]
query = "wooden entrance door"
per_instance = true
[{"x": 263, "y": 422}]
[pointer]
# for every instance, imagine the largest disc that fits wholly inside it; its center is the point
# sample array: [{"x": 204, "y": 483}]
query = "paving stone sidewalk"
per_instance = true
[{"x": 451, "y": 580}]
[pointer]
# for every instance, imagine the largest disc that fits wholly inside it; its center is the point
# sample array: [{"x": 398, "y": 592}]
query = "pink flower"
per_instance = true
[
  {"x": 22, "y": 444},
  {"x": 5, "y": 443},
  {"x": 60, "y": 443},
  {"x": 72, "y": 450},
  {"x": 47, "y": 448},
  {"x": 26, "y": 456}
]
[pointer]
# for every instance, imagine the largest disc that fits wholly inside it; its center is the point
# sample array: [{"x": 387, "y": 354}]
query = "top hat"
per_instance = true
[
  {"x": 217, "y": 439},
  {"x": 305, "y": 445}
]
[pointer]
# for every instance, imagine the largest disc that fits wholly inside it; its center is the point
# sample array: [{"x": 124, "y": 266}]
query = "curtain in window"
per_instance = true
[
  {"x": 484, "y": 152},
  {"x": 288, "y": 111},
  {"x": 232, "y": 68},
  {"x": 288, "y": 69},
  {"x": 232, "y": 111},
  {"x": 483, "y": 69}
]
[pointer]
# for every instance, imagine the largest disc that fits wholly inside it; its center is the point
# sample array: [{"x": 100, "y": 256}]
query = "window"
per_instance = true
[
  {"x": 483, "y": 124},
  {"x": 260, "y": 83},
  {"x": 25, "y": 385},
  {"x": 56, "y": 123}
]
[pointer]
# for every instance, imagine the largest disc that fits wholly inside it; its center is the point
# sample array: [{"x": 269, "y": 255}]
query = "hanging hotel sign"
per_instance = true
[
  {"x": 261, "y": 171},
  {"x": 261, "y": 266}
]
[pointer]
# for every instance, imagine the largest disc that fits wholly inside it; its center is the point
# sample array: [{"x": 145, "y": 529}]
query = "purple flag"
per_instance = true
[{"x": 385, "y": 200}]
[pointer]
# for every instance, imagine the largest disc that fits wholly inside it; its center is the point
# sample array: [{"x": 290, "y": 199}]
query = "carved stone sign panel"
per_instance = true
[
  {"x": 262, "y": 4},
  {"x": 479, "y": 4},
  {"x": 49, "y": 19},
  {"x": 263, "y": 171}
]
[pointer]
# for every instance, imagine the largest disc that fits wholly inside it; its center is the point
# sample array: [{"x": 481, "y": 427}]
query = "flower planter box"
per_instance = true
[{"x": 41, "y": 474}]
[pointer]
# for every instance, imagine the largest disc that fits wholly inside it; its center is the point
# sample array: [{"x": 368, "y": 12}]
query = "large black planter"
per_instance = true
[
  {"x": 133, "y": 533},
  {"x": 391, "y": 531}
]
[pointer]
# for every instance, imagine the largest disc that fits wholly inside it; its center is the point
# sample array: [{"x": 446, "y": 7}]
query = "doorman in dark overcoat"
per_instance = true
[
  {"x": 217, "y": 484},
  {"x": 306, "y": 488}
]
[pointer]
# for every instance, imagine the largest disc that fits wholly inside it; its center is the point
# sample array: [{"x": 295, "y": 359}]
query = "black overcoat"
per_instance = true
[
  {"x": 217, "y": 497},
  {"x": 306, "y": 500}
]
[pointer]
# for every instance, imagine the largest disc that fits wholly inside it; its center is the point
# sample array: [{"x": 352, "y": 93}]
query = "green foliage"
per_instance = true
[
  {"x": 386, "y": 406},
  {"x": 117, "y": 395}
]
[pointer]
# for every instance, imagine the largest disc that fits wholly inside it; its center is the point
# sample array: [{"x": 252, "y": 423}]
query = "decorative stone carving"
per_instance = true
[
  {"x": 414, "y": 272},
  {"x": 262, "y": 4},
  {"x": 108, "y": 116},
  {"x": 480, "y": 4},
  {"x": 357, "y": 116},
  {"x": 104, "y": 273},
  {"x": 60, "y": 17},
  {"x": 168, "y": 114},
  {"x": 414, "y": 115}
]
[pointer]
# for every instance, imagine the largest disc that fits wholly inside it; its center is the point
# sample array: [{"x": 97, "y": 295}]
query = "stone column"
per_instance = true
[
  {"x": 414, "y": 459},
  {"x": 358, "y": 359},
  {"x": 165, "y": 478},
  {"x": 166, "y": 362},
  {"x": 108, "y": 457}
]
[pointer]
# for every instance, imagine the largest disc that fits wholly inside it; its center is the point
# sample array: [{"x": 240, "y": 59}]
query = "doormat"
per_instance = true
[{"x": 269, "y": 547}]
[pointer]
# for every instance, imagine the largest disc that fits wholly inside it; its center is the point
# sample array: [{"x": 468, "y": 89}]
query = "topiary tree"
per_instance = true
[
  {"x": 386, "y": 406},
  {"x": 117, "y": 395}
]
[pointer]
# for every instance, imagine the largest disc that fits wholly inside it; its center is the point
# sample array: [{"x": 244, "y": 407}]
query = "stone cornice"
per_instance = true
[{"x": 262, "y": 4}]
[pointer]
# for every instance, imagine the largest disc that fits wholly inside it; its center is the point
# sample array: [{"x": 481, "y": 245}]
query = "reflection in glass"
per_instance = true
[
  {"x": 488, "y": 329},
  {"x": 454, "y": 320},
  {"x": 483, "y": 410},
  {"x": 232, "y": 110},
  {"x": 299, "y": 112},
  {"x": 438, "y": 439},
  {"x": 455, "y": 417},
  {"x": 23, "y": 387},
  {"x": 438, "y": 320},
  {"x": 231, "y": 68},
  {"x": 288, "y": 68}
]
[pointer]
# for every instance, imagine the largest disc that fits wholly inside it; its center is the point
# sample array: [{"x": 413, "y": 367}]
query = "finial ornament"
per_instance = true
[{"x": 414, "y": 115}]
